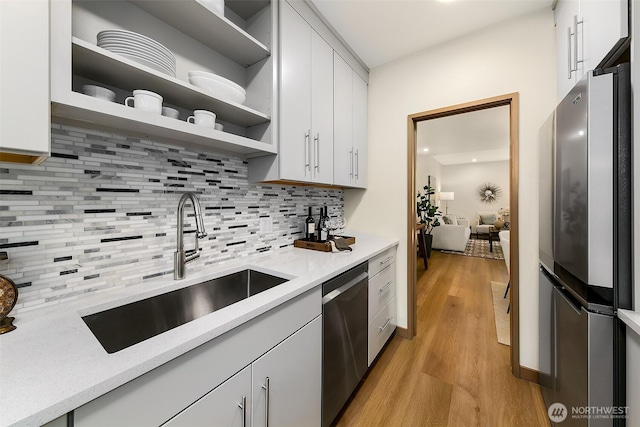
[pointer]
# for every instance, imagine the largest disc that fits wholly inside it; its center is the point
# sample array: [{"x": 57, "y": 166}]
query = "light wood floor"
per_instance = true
[{"x": 454, "y": 372}]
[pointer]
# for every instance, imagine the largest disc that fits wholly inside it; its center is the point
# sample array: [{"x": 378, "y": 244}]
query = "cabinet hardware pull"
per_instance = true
[
  {"x": 386, "y": 260},
  {"x": 351, "y": 163},
  {"x": 575, "y": 42},
  {"x": 316, "y": 141},
  {"x": 382, "y": 328},
  {"x": 569, "y": 64},
  {"x": 243, "y": 406},
  {"x": 265, "y": 387},
  {"x": 357, "y": 164},
  {"x": 385, "y": 287},
  {"x": 307, "y": 165}
]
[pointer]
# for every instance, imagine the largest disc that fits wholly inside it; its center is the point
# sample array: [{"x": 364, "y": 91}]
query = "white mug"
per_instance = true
[
  {"x": 146, "y": 101},
  {"x": 203, "y": 118}
]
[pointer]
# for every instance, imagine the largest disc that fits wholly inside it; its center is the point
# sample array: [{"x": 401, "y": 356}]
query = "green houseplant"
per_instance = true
[{"x": 428, "y": 214}]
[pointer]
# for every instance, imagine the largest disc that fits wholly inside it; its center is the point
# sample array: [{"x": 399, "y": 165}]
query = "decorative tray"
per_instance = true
[{"x": 317, "y": 246}]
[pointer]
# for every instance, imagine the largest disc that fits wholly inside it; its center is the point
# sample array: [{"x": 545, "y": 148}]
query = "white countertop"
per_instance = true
[
  {"x": 52, "y": 363},
  {"x": 631, "y": 319}
]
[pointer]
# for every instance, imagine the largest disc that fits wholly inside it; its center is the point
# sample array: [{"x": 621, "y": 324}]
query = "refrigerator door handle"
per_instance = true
[{"x": 573, "y": 304}]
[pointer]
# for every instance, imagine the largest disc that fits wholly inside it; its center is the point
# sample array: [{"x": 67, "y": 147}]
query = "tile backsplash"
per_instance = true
[{"x": 101, "y": 213}]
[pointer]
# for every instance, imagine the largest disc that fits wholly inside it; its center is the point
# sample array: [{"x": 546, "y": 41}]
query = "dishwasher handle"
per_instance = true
[{"x": 351, "y": 283}]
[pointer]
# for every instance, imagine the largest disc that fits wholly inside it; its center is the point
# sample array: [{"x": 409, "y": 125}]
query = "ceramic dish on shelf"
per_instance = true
[
  {"x": 99, "y": 92},
  {"x": 138, "y": 39},
  {"x": 138, "y": 48},
  {"x": 132, "y": 48},
  {"x": 217, "y": 86}
]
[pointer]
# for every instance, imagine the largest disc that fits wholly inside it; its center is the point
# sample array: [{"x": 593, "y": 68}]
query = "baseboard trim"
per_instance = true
[
  {"x": 529, "y": 374},
  {"x": 403, "y": 333}
]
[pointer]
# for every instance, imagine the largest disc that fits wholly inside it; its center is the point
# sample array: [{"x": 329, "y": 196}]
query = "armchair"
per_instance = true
[{"x": 484, "y": 221}]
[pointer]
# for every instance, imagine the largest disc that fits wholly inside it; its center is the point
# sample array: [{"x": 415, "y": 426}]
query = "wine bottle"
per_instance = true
[
  {"x": 310, "y": 227},
  {"x": 327, "y": 222},
  {"x": 320, "y": 238},
  {"x": 324, "y": 226}
]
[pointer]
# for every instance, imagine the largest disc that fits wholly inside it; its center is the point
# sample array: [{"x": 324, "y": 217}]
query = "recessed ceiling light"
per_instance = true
[
  {"x": 425, "y": 149},
  {"x": 581, "y": 133},
  {"x": 474, "y": 160}
]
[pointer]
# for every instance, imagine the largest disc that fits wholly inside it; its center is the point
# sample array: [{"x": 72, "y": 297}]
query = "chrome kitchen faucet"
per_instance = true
[{"x": 181, "y": 258}]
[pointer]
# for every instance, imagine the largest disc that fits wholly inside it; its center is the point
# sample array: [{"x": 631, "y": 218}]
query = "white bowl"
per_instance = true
[
  {"x": 218, "y": 78},
  {"x": 99, "y": 92},
  {"x": 170, "y": 112},
  {"x": 218, "y": 88}
]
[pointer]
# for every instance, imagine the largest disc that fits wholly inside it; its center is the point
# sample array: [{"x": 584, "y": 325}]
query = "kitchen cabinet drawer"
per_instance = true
[
  {"x": 381, "y": 328},
  {"x": 160, "y": 394},
  {"x": 382, "y": 260},
  {"x": 382, "y": 288}
]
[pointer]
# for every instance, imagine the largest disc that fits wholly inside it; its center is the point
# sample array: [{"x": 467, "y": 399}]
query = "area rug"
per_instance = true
[
  {"x": 500, "y": 304},
  {"x": 480, "y": 249}
]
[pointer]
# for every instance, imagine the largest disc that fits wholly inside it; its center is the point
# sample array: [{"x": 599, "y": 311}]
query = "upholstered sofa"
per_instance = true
[{"x": 452, "y": 234}]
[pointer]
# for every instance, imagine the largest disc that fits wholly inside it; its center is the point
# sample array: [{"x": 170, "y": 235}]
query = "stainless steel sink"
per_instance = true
[{"x": 129, "y": 324}]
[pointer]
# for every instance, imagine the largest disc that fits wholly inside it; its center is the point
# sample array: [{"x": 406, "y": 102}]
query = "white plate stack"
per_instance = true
[{"x": 138, "y": 48}]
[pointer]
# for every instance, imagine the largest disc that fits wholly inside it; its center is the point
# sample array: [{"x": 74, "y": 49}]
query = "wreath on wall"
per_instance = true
[{"x": 489, "y": 192}]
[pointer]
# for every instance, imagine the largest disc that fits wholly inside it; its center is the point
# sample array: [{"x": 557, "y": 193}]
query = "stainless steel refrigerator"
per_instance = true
[{"x": 585, "y": 249}]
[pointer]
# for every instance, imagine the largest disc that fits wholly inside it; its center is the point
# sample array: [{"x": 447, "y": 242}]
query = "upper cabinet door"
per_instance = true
[
  {"x": 359, "y": 131},
  {"x": 295, "y": 96},
  {"x": 565, "y": 46},
  {"x": 588, "y": 34},
  {"x": 24, "y": 88},
  {"x": 321, "y": 109},
  {"x": 343, "y": 154},
  {"x": 605, "y": 27}
]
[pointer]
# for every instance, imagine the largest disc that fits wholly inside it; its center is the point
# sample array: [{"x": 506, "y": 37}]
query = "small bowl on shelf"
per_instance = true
[
  {"x": 99, "y": 92},
  {"x": 170, "y": 112}
]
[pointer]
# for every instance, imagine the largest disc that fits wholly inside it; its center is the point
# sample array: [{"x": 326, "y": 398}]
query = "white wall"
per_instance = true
[
  {"x": 464, "y": 180},
  {"x": 516, "y": 56},
  {"x": 426, "y": 165}
]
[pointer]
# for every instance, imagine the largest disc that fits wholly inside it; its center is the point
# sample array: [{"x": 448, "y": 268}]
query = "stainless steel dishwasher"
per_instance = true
[{"x": 344, "y": 338}]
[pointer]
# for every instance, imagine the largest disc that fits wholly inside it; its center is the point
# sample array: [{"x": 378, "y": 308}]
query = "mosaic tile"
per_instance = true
[{"x": 100, "y": 213}]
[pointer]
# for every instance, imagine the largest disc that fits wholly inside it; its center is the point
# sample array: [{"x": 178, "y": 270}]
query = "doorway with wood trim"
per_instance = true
[{"x": 511, "y": 101}]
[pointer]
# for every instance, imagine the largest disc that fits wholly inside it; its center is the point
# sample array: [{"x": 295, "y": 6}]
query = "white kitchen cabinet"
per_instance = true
[
  {"x": 306, "y": 82},
  {"x": 24, "y": 84},
  {"x": 199, "y": 39},
  {"x": 350, "y": 126},
  {"x": 382, "y": 301},
  {"x": 289, "y": 374},
  {"x": 381, "y": 328},
  {"x": 287, "y": 381},
  {"x": 162, "y": 393},
  {"x": 589, "y": 33},
  {"x": 227, "y": 405}
]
